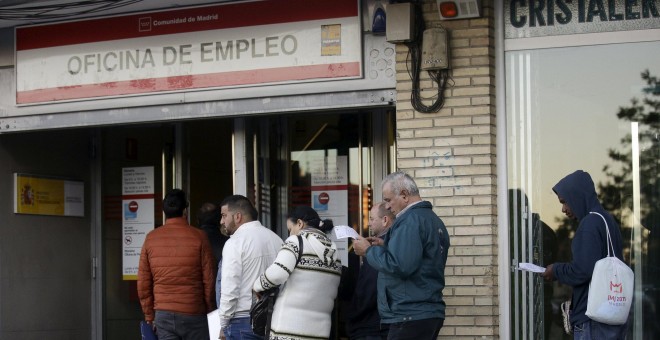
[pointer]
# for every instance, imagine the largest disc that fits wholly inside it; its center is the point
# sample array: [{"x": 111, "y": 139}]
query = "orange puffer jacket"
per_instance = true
[{"x": 177, "y": 270}]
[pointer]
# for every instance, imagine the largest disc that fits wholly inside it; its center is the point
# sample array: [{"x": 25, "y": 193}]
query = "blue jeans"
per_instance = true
[
  {"x": 426, "y": 329},
  {"x": 240, "y": 329},
  {"x": 177, "y": 326},
  {"x": 593, "y": 330}
]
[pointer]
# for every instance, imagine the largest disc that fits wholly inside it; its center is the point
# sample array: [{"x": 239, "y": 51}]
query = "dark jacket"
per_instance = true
[
  {"x": 590, "y": 242},
  {"x": 216, "y": 238},
  {"x": 362, "y": 317},
  {"x": 177, "y": 270},
  {"x": 411, "y": 266}
]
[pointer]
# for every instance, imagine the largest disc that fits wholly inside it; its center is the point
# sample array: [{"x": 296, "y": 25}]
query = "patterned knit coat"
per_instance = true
[{"x": 307, "y": 290}]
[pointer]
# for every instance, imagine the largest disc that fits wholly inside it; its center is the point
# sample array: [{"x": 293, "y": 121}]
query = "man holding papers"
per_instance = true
[
  {"x": 577, "y": 195},
  {"x": 410, "y": 261},
  {"x": 363, "y": 319}
]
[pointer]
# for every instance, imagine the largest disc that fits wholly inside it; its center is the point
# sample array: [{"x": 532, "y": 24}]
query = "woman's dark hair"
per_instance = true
[
  {"x": 327, "y": 226},
  {"x": 310, "y": 217}
]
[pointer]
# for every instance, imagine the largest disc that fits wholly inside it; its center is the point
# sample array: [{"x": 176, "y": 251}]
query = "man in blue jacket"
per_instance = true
[
  {"x": 577, "y": 194},
  {"x": 410, "y": 261}
]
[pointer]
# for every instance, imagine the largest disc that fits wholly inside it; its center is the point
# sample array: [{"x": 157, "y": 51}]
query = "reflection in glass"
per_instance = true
[
  {"x": 330, "y": 171},
  {"x": 327, "y": 147},
  {"x": 569, "y": 109}
]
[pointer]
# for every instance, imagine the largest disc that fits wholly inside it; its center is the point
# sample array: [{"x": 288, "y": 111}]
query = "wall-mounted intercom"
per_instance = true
[{"x": 435, "y": 53}]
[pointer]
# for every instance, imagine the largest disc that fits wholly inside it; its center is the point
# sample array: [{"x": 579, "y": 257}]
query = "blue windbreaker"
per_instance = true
[{"x": 411, "y": 266}]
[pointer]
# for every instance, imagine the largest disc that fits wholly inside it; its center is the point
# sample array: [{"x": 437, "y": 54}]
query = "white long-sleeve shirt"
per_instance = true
[{"x": 246, "y": 255}]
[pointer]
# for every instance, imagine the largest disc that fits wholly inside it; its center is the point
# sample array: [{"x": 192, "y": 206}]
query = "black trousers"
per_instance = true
[{"x": 416, "y": 330}]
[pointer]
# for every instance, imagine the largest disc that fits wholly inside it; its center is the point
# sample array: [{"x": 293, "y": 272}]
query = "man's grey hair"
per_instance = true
[{"x": 400, "y": 181}]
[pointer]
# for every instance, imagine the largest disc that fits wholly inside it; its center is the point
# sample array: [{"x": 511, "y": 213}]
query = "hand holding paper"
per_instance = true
[
  {"x": 530, "y": 267},
  {"x": 344, "y": 231}
]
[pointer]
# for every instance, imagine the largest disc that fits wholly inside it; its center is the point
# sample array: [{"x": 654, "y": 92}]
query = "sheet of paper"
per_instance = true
[
  {"x": 344, "y": 231},
  {"x": 530, "y": 267},
  {"x": 214, "y": 323}
]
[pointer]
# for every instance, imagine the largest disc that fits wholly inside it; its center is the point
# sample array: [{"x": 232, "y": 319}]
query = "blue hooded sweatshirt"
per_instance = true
[{"x": 590, "y": 242}]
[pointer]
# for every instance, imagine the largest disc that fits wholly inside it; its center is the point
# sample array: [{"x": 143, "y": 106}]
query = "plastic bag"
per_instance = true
[{"x": 611, "y": 288}]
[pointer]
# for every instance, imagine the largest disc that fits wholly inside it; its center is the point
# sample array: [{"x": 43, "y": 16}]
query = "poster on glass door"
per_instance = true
[
  {"x": 330, "y": 188},
  {"x": 330, "y": 195},
  {"x": 138, "y": 217}
]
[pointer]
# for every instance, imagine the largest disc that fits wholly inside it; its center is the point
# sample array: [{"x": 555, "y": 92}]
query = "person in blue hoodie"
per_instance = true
[
  {"x": 577, "y": 195},
  {"x": 410, "y": 261}
]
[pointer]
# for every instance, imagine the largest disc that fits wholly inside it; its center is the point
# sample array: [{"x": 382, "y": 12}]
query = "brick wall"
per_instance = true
[{"x": 451, "y": 155}]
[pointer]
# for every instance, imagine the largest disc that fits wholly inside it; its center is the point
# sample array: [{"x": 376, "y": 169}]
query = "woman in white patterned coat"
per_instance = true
[{"x": 307, "y": 287}]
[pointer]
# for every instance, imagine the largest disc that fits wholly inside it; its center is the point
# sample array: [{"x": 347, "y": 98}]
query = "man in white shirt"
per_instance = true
[{"x": 251, "y": 248}]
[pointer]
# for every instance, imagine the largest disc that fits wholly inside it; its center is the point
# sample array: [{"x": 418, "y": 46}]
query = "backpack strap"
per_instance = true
[{"x": 610, "y": 245}]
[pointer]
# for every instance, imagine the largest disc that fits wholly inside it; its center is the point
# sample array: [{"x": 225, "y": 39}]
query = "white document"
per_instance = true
[
  {"x": 344, "y": 231},
  {"x": 214, "y": 324},
  {"x": 530, "y": 267}
]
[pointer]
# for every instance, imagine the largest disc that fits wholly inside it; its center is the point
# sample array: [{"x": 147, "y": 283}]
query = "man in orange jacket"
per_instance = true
[{"x": 176, "y": 274}]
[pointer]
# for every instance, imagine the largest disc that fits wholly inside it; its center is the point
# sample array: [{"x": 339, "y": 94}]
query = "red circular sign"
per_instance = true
[
  {"x": 133, "y": 206},
  {"x": 324, "y": 198}
]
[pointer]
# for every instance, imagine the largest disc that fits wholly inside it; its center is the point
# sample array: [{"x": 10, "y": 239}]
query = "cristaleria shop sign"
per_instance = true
[{"x": 534, "y": 18}]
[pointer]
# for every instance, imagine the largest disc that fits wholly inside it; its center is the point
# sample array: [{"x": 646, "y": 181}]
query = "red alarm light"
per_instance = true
[{"x": 448, "y": 9}]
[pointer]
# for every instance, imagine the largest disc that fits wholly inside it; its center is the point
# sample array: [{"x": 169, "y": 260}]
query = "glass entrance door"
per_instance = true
[
  {"x": 330, "y": 162},
  {"x": 195, "y": 156},
  {"x": 333, "y": 162},
  {"x": 329, "y": 165},
  {"x": 593, "y": 108},
  {"x": 145, "y": 146}
]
